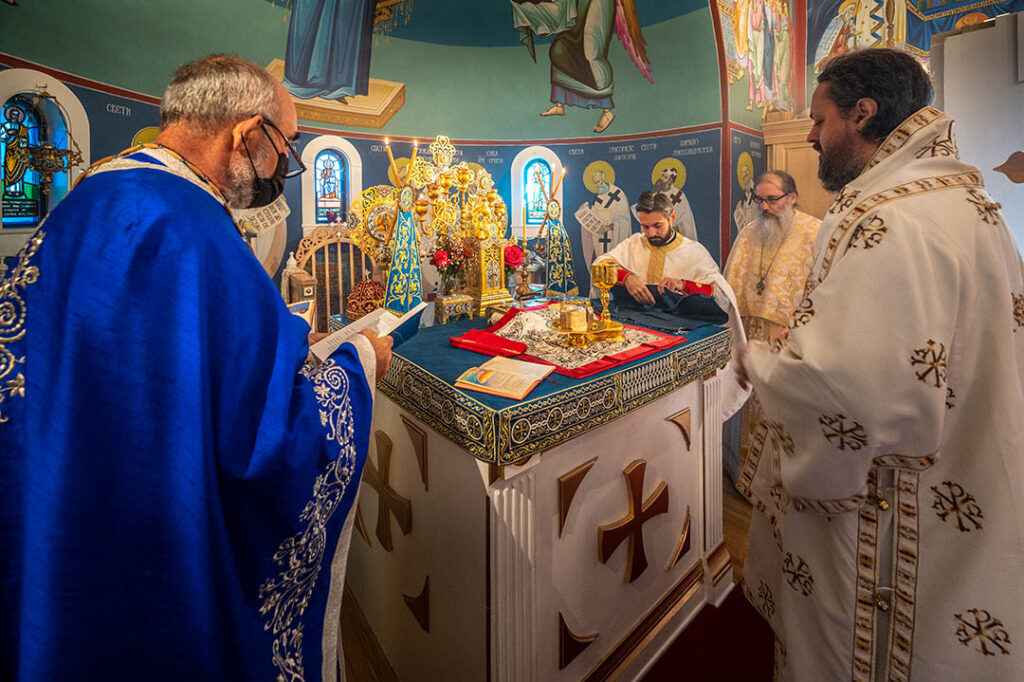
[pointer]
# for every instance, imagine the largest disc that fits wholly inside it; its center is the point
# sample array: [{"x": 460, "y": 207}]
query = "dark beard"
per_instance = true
[
  {"x": 837, "y": 170},
  {"x": 662, "y": 241}
]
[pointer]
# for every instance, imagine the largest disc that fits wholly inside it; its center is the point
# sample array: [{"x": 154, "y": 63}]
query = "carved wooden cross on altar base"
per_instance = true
[
  {"x": 631, "y": 525},
  {"x": 389, "y": 502}
]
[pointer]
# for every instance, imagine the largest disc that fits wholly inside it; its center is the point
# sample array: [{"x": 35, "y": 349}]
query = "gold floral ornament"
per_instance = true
[{"x": 13, "y": 312}]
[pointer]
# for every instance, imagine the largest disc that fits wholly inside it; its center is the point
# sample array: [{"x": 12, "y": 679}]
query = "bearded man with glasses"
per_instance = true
[
  {"x": 178, "y": 483},
  {"x": 767, "y": 269}
]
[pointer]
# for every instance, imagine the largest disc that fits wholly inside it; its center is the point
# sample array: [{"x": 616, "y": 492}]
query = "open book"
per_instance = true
[
  {"x": 381, "y": 321},
  {"x": 506, "y": 377}
]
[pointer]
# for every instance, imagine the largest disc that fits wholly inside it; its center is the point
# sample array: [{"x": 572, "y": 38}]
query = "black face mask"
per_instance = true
[{"x": 266, "y": 190}]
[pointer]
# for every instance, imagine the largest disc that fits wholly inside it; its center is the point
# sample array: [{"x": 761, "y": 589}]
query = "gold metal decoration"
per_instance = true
[
  {"x": 631, "y": 526},
  {"x": 45, "y": 158},
  {"x": 682, "y": 420},
  {"x": 420, "y": 605},
  {"x": 361, "y": 525},
  {"x": 593, "y": 329},
  {"x": 419, "y": 445},
  {"x": 389, "y": 502},
  {"x": 604, "y": 276},
  {"x": 718, "y": 563},
  {"x": 683, "y": 546},
  {"x": 568, "y": 484},
  {"x": 465, "y": 208},
  {"x": 570, "y": 645}
]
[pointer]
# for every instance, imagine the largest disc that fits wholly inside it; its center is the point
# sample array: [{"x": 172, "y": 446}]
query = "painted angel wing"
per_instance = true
[{"x": 627, "y": 27}]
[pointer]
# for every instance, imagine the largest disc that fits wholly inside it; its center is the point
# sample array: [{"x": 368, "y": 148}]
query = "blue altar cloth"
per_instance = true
[{"x": 501, "y": 430}]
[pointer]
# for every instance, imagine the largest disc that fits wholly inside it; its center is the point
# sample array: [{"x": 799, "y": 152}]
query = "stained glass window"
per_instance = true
[
  {"x": 537, "y": 174},
  {"x": 331, "y": 187},
  {"x": 21, "y": 125}
]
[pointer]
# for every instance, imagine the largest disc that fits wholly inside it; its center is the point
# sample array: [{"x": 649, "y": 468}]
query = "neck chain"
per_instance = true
[{"x": 763, "y": 275}]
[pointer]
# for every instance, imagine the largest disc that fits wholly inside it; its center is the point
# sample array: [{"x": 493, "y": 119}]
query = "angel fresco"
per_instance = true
[
  {"x": 581, "y": 75},
  {"x": 761, "y": 36}
]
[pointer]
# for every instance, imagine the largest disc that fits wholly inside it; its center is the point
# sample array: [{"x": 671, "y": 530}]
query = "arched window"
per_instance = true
[
  {"x": 536, "y": 185},
  {"x": 346, "y": 167},
  {"x": 331, "y": 187},
  {"x": 27, "y": 194},
  {"x": 527, "y": 198}
]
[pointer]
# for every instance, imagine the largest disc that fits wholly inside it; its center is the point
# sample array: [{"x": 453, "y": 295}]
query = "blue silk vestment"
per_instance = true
[{"x": 174, "y": 479}]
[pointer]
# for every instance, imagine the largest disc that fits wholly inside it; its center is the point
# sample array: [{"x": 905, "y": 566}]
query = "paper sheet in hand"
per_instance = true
[{"x": 380, "y": 321}]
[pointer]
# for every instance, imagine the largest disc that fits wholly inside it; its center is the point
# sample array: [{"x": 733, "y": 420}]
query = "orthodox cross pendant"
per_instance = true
[{"x": 760, "y": 287}]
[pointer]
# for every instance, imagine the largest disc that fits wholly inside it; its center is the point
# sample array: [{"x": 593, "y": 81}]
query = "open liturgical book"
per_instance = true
[
  {"x": 505, "y": 377},
  {"x": 381, "y": 321}
]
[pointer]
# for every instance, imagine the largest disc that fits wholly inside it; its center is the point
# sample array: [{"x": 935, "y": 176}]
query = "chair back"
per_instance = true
[{"x": 336, "y": 264}]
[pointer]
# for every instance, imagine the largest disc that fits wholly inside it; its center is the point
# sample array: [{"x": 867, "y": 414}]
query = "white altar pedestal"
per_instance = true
[{"x": 580, "y": 558}]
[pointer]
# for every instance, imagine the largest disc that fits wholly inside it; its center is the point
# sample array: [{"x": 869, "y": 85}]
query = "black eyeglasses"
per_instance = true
[
  {"x": 770, "y": 200},
  {"x": 293, "y": 171}
]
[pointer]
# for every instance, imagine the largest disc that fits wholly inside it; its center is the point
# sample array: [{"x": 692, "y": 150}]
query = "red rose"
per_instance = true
[
  {"x": 440, "y": 258},
  {"x": 513, "y": 256}
]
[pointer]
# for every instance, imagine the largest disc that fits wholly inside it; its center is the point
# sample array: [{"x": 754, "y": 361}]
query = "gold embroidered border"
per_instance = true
[
  {"x": 13, "y": 315},
  {"x": 901, "y": 639},
  {"x": 505, "y": 436},
  {"x": 905, "y": 462},
  {"x": 897, "y": 138},
  {"x": 864, "y": 605},
  {"x": 746, "y": 477},
  {"x": 874, "y": 201},
  {"x": 961, "y": 9},
  {"x": 842, "y": 506}
]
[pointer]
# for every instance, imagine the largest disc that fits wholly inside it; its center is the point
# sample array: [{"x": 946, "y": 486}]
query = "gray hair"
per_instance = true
[
  {"x": 219, "y": 91},
  {"x": 786, "y": 180}
]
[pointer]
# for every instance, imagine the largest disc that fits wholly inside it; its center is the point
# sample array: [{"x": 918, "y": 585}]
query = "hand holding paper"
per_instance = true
[{"x": 381, "y": 321}]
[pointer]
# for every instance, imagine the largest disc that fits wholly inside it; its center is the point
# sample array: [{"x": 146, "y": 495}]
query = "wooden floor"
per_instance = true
[{"x": 365, "y": 661}]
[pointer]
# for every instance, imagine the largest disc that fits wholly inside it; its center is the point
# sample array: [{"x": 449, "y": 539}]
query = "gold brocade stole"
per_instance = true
[{"x": 656, "y": 260}]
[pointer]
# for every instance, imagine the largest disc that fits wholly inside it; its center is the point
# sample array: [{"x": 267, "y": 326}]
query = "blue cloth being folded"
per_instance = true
[{"x": 671, "y": 312}]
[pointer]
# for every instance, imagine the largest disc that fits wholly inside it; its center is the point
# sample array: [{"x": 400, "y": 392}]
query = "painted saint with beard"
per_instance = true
[{"x": 767, "y": 269}]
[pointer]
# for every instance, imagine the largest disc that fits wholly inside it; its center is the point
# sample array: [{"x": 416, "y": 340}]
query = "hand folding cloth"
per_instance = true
[{"x": 671, "y": 312}]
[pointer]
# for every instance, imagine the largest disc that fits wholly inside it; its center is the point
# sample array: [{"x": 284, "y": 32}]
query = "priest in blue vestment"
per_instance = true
[{"x": 177, "y": 482}]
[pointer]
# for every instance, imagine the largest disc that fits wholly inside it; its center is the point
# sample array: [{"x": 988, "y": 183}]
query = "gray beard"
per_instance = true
[
  {"x": 239, "y": 189},
  {"x": 771, "y": 230}
]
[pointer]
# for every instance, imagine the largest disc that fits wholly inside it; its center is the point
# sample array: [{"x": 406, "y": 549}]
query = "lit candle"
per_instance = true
[
  {"x": 554, "y": 192},
  {"x": 524, "y": 225}
]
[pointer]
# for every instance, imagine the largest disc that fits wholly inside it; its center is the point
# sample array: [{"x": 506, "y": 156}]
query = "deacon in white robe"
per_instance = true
[
  {"x": 887, "y": 541},
  {"x": 660, "y": 256}
]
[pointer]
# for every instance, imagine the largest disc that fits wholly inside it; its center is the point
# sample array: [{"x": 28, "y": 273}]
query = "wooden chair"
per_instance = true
[{"x": 325, "y": 268}]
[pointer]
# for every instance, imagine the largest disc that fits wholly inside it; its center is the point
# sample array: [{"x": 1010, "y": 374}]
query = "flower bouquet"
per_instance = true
[{"x": 450, "y": 260}]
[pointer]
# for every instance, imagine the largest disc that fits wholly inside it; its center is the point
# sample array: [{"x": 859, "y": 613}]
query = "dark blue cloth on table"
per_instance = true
[{"x": 671, "y": 312}]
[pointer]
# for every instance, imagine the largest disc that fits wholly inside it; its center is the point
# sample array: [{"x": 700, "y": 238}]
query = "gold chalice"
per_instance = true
[{"x": 604, "y": 276}]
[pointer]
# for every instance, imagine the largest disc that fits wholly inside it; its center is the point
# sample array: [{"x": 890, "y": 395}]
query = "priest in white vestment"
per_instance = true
[
  {"x": 660, "y": 256},
  {"x": 767, "y": 269},
  {"x": 887, "y": 541}
]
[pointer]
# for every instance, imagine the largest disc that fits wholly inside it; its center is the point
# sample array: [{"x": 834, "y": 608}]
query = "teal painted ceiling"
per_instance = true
[{"x": 488, "y": 23}]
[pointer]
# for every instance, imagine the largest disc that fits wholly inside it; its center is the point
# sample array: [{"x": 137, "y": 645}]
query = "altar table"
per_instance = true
[{"x": 568, "y": 536}]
